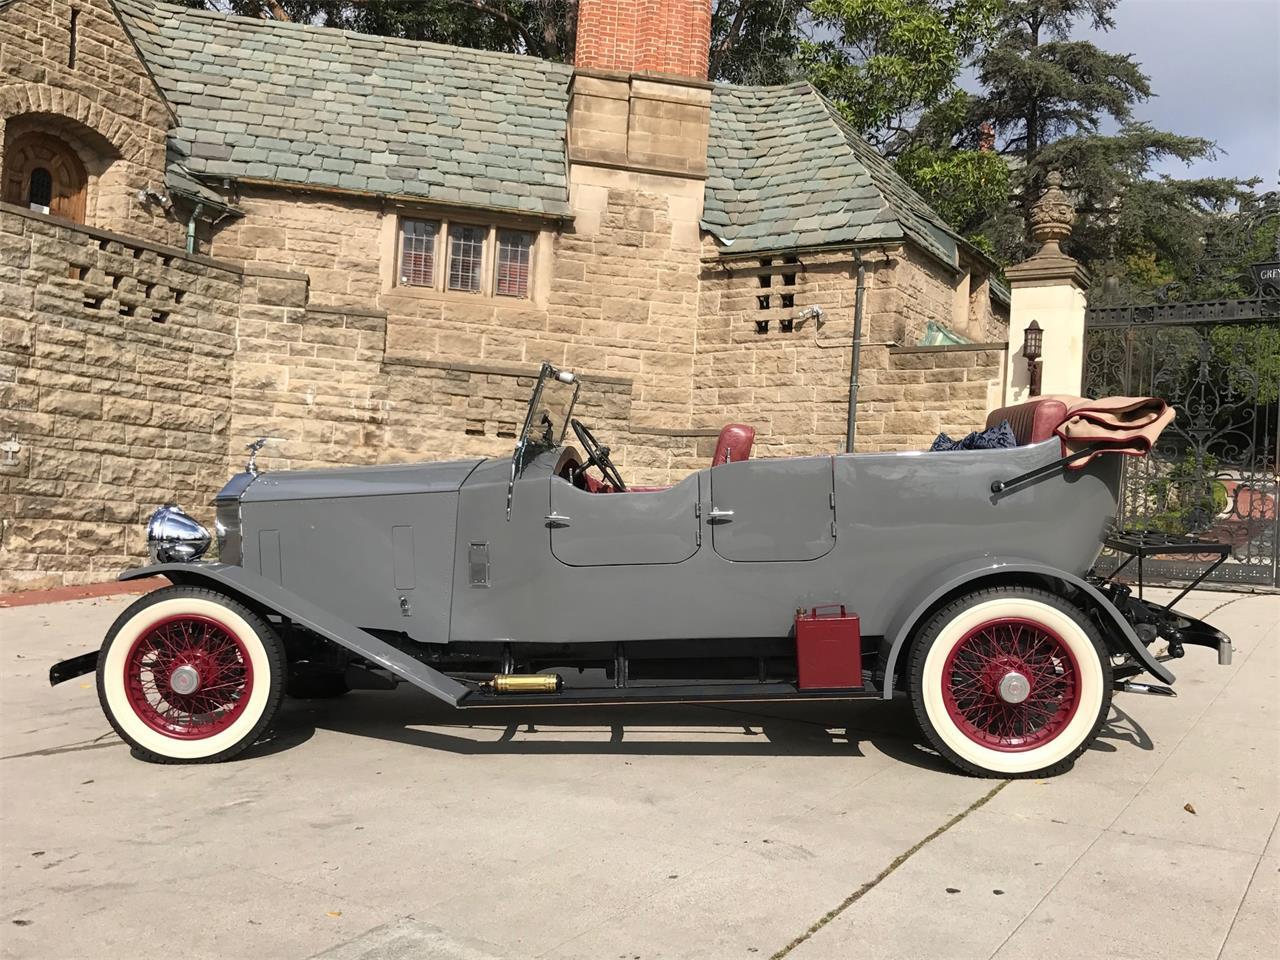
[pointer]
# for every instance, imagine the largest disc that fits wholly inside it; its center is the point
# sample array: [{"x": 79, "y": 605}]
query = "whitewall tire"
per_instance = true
[
  {"x": 189, "y": 675},
  {"x": 1010, "y": 682}
]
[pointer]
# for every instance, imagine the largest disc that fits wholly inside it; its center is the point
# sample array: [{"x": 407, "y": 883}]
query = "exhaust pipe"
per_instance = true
[
  {"x": 525, "y": 683},
  {"x": 1155, "y": 689}
]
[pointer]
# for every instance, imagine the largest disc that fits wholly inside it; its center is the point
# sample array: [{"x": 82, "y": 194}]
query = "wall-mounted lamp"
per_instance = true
[{"x": 1032, "y": 347}]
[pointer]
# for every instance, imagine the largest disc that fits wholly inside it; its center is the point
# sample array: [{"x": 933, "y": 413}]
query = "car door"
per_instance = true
[
  {"x": 618, "y": 529},
  {"x": 764, "y": 510}
]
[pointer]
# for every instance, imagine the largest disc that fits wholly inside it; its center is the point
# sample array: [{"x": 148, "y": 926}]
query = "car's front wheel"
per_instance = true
[
  {"x": 189, "y": 675},
  {"x": 1010, "y": 682}
]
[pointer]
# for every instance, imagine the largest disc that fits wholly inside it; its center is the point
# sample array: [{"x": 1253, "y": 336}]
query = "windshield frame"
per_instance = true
[{"x": 529, "y": 444}]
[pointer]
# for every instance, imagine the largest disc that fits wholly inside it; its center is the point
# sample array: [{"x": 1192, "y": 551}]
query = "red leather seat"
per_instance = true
[
  {"x": 734, "y": 444},
  {"x": 1033, "y": 421}
]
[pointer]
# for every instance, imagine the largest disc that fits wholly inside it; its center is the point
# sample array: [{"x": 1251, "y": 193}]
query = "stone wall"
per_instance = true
[
  {"x": 115, "y": 383},
  {"x": 105, "y": 107},
  {"x": 925, "y": 391},
  {"x": 791, "y": 380}
]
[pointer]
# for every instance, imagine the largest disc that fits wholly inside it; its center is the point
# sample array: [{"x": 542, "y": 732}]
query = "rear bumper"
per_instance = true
[{"x": 1153, "y": 622}]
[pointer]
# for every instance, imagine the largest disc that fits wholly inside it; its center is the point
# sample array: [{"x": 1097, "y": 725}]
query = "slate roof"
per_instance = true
[
  {"x": 785, "y": 172},
  {"x": 313, "y": 106}
]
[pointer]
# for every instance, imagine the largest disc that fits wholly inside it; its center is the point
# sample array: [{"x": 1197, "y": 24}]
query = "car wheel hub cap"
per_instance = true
[
  {"x": 188, "y": 676},
  {"x": 185, "y": 680},
  {"x": 1011, "y": 684},
  {"x": 1014, "y": 687}
]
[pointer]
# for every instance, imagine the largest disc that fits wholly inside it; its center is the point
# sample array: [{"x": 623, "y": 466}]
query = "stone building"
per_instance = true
[{"x": 216, "y": 228}]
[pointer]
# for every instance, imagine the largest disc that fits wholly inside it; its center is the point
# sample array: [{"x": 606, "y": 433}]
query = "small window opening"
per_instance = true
[
  {"x": 146, "y": 290},
  {"x": 84, "y": 273},
  {"x": 71, "y": 44},
  {"x": 506, "y": 431},
  {"x": 160, "y": 316},
  {"x": 115, "y": 281},
  {"x": 127, "y": 309},
  {"x": 762, "y": 326},
  {"x": 788, "y": 300},
  {"x": 178, "y": 295},
  {"x": 762, "y": 301},
  {"x": 474, "y": 428},
  {"x": 93, "y": 303},
  {"x": 766, "y": 278},
  {"x": 40, "y": 190}
]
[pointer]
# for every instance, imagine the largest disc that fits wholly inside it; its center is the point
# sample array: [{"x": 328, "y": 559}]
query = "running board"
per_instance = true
[{"x": 678, "y": 693}]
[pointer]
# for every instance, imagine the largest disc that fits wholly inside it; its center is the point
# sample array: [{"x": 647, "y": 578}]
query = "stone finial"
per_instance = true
[{"x": 1051, "y": 218}]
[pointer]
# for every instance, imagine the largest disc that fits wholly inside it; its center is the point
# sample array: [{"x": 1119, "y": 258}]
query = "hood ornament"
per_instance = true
[{"x": 252, "y": 466}]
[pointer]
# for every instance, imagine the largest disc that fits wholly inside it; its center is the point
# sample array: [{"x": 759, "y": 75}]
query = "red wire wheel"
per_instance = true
[
  {"x": 188, "y": 677},
  {"x": 1011, "y": 685}
]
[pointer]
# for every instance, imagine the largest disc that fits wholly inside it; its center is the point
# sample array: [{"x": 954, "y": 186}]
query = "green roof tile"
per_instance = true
[
  {"x": 784, "y": 171},
  {"x": 316, "y": 106},
  {"x": 275, "y": 79}
]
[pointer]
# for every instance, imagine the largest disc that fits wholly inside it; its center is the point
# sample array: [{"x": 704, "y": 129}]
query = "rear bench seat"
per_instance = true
[{"x": 1033, "y": 421}]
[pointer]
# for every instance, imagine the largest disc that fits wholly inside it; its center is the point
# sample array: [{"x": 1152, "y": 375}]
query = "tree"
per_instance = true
[
  {"x": 1048, "y": 98},
  {"x": 882, "y": 62}
]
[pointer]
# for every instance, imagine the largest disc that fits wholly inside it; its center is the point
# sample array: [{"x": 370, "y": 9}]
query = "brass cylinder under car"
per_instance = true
[{"x": 526, "y": 683}]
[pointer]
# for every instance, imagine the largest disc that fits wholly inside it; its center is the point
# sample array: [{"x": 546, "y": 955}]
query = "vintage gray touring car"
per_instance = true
[{"x": 960, "y": 580}]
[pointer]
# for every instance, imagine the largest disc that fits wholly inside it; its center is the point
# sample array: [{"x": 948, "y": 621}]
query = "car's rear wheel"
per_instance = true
[
  {"x": 1010, "y": 682},
  {"x": 190, "y": 675}
]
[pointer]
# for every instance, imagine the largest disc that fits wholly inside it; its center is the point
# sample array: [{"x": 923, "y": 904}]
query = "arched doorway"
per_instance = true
[{"x": 44, "y": 174}]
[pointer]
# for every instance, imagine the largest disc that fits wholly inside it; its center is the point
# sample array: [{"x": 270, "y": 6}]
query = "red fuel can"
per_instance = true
[{"x": 828, "y": 648}]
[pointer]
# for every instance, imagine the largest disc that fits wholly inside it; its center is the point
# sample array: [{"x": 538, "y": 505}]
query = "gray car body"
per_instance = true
[{"x": 732, "y": 551}]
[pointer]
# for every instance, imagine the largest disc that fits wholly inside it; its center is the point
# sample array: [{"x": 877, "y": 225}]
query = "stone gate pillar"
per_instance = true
[{"x": 1049, "y": 288}]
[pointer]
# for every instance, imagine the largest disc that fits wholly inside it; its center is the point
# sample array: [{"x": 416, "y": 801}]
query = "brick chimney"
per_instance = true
[{"x": 644, "y": 36}]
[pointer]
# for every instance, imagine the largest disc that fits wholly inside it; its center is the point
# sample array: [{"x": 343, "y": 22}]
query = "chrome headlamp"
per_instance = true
[{"x": 174, "y": 537}]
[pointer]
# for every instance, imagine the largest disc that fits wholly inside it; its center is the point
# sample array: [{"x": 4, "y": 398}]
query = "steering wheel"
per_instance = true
[{"x": 597, "y": 455}]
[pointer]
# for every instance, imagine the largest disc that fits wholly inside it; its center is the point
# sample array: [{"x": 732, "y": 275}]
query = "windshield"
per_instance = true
[
  {"x": 549, "y": 410},
  {"x": 545, "y": 423}
]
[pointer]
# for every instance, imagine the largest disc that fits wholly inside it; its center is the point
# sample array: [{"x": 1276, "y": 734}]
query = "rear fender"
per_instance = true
[
  {"x": 992, "y": 571},
  {"x": 274, "y": 598}
]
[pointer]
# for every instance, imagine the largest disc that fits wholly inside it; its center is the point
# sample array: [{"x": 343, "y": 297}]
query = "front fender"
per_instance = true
[
  {"x": 276, "y": 599},
  {"x": 993, "y": 570}
]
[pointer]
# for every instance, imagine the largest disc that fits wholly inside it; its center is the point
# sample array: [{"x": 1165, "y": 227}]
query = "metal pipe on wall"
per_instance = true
[
  {"x": 191, "y": 228},
  {"x": 856, "y": 358}
]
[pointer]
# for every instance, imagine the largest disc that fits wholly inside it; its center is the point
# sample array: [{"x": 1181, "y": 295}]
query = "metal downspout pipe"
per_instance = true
[
  {"x": 191, "y": 228},
  {"x": 856, "y": 358}
]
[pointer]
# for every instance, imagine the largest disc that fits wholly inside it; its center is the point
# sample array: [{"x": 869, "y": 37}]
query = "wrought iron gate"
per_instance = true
[{"x": 1214, "y": 471}]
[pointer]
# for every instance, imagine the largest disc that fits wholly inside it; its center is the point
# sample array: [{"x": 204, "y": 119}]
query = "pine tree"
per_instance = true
[{"x": 1048, "y": 98}]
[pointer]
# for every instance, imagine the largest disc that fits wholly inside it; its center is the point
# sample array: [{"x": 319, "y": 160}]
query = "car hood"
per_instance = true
[{"x": 386, "y": 479}]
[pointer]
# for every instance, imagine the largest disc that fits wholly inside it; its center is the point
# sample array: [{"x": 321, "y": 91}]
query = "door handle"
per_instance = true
[
  {"x": 719, "y": 516},
  {"x": 556, "y": 520}
]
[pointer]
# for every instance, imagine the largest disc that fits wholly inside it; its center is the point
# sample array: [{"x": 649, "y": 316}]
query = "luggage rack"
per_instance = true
[{"x": 1140, "y": 544}]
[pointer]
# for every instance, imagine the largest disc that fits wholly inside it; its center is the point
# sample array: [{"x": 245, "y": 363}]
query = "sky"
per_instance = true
[{"x": 1215, "y": 69}]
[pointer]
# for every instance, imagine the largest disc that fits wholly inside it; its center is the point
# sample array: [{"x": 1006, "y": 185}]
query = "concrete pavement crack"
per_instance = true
[
  {"x": 97, "y": 743},
  {"x": 897, "y": 861}
]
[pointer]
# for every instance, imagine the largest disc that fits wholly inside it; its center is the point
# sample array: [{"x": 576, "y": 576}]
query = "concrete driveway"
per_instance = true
[{"x": 384, "y": 826}]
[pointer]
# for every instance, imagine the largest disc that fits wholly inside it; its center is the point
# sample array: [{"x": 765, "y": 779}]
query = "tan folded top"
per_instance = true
[{"x": 1128, "y": 425}]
